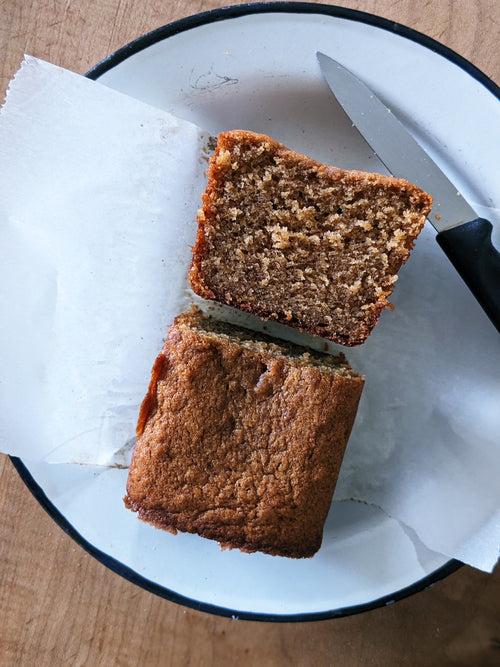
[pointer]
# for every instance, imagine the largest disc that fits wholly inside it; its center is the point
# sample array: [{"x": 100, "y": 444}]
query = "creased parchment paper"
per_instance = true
[{"x": 98, "y": 196}]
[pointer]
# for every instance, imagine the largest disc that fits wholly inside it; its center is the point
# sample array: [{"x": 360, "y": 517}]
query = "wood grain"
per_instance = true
[{"x": 58, "y": 606}]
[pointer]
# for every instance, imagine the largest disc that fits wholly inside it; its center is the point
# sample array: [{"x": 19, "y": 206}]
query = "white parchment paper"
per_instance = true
[{"x": 98, "y": 196}]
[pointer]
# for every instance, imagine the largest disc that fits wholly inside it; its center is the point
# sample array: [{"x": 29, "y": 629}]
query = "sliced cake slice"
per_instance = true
[
  {"x": 240, "y": 438},
  {"x": 306, "y": 244}
]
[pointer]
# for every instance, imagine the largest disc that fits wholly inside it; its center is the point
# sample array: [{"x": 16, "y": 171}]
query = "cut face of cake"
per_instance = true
[
  {"x": 306, "y": 244},
  {"x": 240, "y": 438}
]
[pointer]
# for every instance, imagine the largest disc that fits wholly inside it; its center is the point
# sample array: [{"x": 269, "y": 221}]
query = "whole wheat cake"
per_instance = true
[
  {"x": 240, "y": 438},
  {"x": 309, "y": 245}
]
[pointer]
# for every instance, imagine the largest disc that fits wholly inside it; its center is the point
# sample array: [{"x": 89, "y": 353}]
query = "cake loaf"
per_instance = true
[
  {"x": 240, "y": 438},
  {"x": 309, "y": 245}
]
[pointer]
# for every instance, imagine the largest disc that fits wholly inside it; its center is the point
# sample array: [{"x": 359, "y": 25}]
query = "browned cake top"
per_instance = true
[
  {"x": 241, "y": 439},
  {"x": 309, "y": 245}
]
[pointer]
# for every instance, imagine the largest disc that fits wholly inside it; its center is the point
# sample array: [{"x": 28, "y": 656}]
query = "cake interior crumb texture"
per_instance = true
[
  {"x": 240, "y": 438},
  {"x": 309, "y": 245}
]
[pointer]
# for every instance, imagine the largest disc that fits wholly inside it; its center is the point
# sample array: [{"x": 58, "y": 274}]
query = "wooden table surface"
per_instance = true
[{"x": 59, "y": 606}]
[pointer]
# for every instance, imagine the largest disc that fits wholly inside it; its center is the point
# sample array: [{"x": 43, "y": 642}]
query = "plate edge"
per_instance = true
[
  {"x": 246, "y": 9},
  {"x": 134, "y": 577}
]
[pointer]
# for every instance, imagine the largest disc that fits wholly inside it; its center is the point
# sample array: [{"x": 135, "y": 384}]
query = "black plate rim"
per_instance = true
[
  {"x": 236, "y": 11},
  {"x": 134, "y": 577}
]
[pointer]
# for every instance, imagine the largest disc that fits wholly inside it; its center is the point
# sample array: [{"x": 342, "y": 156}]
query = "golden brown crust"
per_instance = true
[
  {"x": 149, "y": 402},
  {"x": 203, "y": 284},
  {"x": 240, "y": 445}
]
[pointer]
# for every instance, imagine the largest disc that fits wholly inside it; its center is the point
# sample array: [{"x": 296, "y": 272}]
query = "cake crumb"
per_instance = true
[{"x": 313, "y": 246}]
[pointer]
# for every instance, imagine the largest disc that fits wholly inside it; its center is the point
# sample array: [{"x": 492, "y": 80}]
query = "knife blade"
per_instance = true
[{"x": 465, "y": 238}]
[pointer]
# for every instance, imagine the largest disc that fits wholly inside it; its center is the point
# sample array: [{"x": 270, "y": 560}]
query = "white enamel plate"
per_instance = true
[{"x": 254, "y": 67}]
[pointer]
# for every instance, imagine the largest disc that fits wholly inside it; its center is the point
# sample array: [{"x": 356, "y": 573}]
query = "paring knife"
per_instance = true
[{"x": 464, "y": 237}]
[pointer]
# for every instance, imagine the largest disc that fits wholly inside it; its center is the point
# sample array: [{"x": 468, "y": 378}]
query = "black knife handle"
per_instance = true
[{"x": 470, "y": 250}]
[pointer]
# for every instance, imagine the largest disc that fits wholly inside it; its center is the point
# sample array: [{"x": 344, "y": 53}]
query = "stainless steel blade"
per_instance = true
[{"x": 394, "y": 145}]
